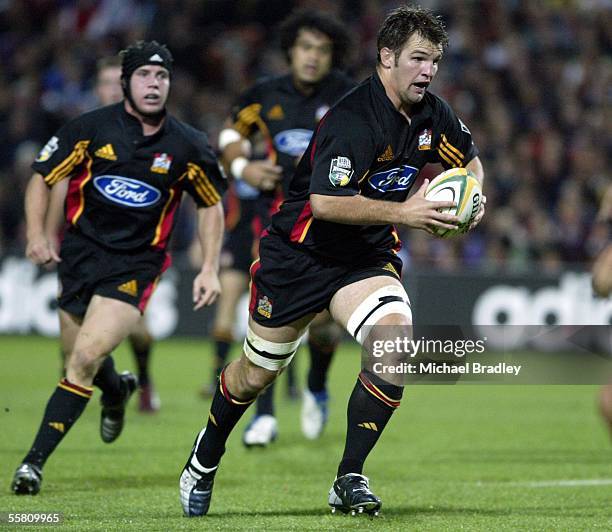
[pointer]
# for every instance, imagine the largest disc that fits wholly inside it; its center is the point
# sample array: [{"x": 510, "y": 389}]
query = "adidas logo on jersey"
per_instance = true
[
  {"x": 387, "y": 155},
  {"x": 131, "y": 288},
  {"x": 276, "y": 113},
  {"x": 369, "y": 426},
  {"x": 106, "y": 152}
]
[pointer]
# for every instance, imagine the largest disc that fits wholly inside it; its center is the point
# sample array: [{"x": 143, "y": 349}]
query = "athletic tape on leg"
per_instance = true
[
  {"x": 390, "y": 299},
  {"x": 269, "y": 355}
]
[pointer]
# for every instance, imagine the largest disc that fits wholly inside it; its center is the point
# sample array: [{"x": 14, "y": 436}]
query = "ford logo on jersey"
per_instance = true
[
  {"x": 293, "y": 141},
  {"x": 395, "y": 179},
  {"x": 126, "y": 191}
]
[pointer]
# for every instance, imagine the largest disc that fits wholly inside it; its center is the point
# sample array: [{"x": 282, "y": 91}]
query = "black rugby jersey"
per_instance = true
[
  {"x": 365, "y": 146},
  {"x": 125, "y": 187},
  {"x": 285, "y": 116}
]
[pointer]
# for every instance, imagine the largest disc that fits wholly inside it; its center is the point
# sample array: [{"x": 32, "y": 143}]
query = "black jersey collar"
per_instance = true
[
  {"x": 288, "y": 85},
  {"x": 421, "y": 112},
  {"x": 134, "y": 126}
]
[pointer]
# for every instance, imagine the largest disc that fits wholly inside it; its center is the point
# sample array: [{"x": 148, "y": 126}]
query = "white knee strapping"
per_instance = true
[
  {"x": 269, "y": 355},
  {"x": 390, "y": 299}
]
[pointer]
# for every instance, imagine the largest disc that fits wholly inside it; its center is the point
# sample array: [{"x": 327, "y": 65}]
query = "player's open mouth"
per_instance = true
[
  {"x": 421, "y": 86},
  {"x": 152, "y": 98}
]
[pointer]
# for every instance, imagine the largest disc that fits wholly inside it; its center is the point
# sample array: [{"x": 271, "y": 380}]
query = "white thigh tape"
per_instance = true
[
  {"x": 269, "y": 355},
  {"x": 390, "y": 299}
]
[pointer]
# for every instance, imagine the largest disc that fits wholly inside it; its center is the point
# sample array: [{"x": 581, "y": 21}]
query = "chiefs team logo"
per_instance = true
[
  {"x": 264, "y": 307},
  {"x": 161, "y": 163},
  {"x": 425, "y": 139}
]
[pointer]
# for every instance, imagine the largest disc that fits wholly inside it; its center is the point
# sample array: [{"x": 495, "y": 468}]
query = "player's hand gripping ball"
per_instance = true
[{"x": 462, "y": 187}]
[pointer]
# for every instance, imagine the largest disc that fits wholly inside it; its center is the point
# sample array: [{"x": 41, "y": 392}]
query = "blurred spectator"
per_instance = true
[{"x": 532, "y": 79}]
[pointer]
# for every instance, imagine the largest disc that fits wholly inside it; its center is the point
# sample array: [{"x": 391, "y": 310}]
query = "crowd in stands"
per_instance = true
[{"x": 531, "y": 79}]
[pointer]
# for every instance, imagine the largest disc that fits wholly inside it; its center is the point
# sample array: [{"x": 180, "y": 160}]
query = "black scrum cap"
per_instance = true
[{"x": 144, "y": 53}]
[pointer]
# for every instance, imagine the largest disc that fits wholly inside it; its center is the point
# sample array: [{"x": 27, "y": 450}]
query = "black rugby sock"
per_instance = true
[
  {"x": 62, "y": 364},
  {"x": 107, "y": 379},
  {"x": 65, "y": 406},
  {"x": 369, "y": 409},
  {"x": 320, "y": 360},
  {"x": 222, "y": 349},
  {"x": 142, "y": 356},
  {"x": 225, "y": 411},
  {"x": 265, "y": 402},
  {"x": 291, "y": 377}
]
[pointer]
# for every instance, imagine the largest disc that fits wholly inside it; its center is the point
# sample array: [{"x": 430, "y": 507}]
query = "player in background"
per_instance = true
[
  {"x": 127, "y": 165},
  {"x": 108, "y": 91},
  {"x": 333, "y": 244},
  {"x": 281, "y": 112},
  {"x": 602, "y": 286}
]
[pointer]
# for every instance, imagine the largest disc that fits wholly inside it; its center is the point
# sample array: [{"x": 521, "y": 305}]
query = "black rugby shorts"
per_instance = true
[
  {"x": 289, "y": 282},
  {"x": 88, "y": 269},
  {"x": 242, "y": 236}
]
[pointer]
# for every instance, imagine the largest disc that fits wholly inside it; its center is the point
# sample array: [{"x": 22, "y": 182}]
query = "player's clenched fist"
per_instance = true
[{"x": 40, "y": 251}]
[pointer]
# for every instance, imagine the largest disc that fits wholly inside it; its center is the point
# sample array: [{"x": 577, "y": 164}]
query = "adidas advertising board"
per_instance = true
[{"x": 510, "y": 305}]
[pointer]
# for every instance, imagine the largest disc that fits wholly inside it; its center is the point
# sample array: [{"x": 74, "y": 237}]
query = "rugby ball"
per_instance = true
[{"x": 462, "y": 187}]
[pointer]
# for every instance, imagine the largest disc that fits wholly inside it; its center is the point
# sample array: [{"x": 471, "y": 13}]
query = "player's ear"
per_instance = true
[{"x": 387, "y": 57}]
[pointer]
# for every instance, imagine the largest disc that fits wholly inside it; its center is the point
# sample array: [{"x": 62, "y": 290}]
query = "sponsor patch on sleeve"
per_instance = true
[
  {"x": 464, "y": 128},
  {"x": 49, "y": 149},
  {"x": 340, "y": 171}
]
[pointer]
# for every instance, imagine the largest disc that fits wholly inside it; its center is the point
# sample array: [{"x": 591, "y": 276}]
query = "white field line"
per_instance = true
[{"x": 570, "y": 483}]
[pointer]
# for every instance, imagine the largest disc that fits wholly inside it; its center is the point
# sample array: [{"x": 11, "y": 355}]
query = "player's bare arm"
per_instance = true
[
  {"x": 38, "y": 248},
  {"x": 416, "y": 211},
  {"x": 602, "y": 267},
  {"x": 206, "y": 286},
  {"x": 55, "y": 213},
  {"x": 236, "y": 151}
]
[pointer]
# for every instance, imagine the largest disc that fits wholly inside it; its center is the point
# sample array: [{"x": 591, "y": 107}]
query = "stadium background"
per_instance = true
[{"x": 531, "y": 79}]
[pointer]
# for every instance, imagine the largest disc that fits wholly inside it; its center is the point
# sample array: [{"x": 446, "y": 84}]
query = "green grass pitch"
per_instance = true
[{"x": 453, "y": 457}]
